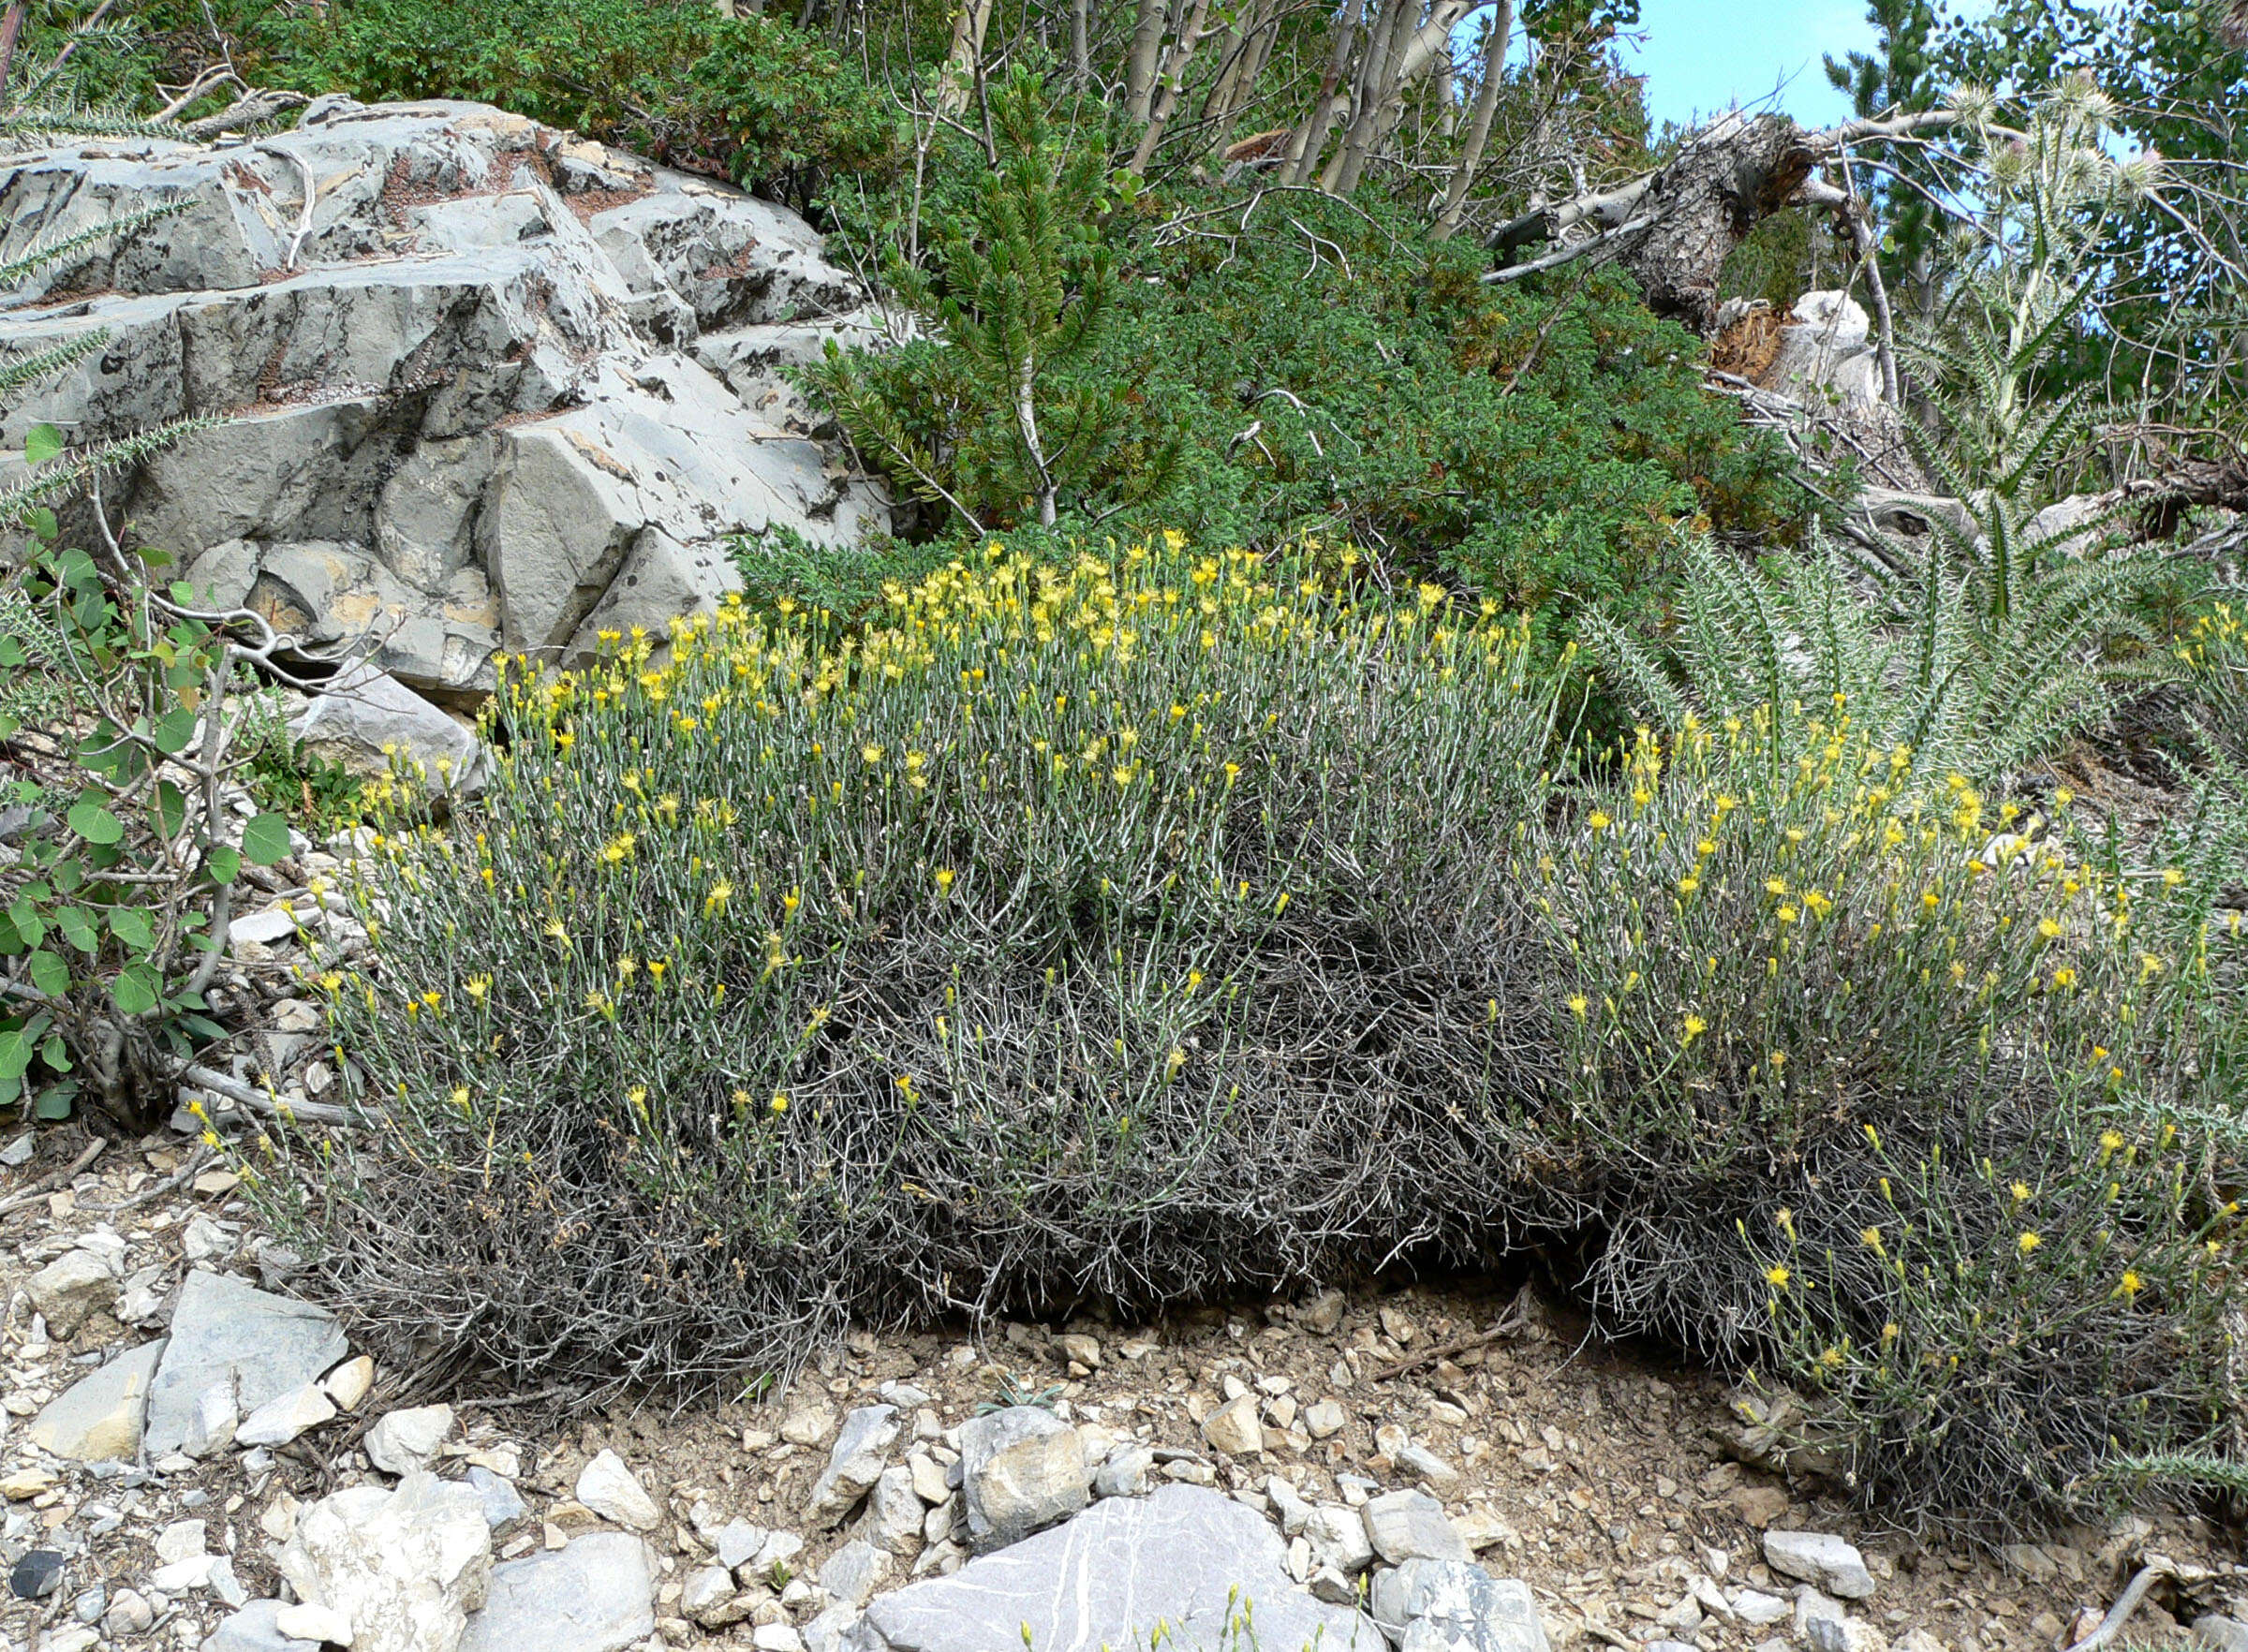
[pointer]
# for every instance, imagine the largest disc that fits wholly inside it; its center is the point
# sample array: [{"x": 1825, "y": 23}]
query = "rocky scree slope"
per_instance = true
[{"x": 489, "y": 387}]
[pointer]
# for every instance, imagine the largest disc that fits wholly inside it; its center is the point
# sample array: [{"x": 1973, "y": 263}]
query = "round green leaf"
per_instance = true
[
  {"x": 135, "y": 989},
  {"x": 41, "y": 443},
  {"x": 94, "y": 822},
  {"x": 130, "y": 925},
  {"x": 265, "y": 839},
  {"x": 173, "y": 731},
  {"x": 49, "y": 974},
  {"x": 223, "y": 863},
  {"x": 77, "y": 928}
]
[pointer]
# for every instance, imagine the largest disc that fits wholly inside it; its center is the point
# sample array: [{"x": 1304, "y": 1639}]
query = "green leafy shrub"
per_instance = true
[
  {"x": 749, "y": 97},
  {"x": 119, "y": 711},
  {"x": 1155, "y": 928},
  {"x": 1300, "y": 365},
  {"x": 114, "y": 904}
]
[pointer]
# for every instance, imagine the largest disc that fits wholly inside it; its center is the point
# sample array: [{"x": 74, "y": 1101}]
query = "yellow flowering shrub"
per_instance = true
[
  {"x": 1064, "y": 930},
  {"x": 1914, "y": 1100},
  {"x": 1171, "y": 925}
]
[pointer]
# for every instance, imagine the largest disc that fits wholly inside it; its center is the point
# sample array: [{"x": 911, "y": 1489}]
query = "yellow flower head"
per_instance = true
[
  {"x": 1777, "y": 1276},
  {"x": 2027, "y": 1242}
]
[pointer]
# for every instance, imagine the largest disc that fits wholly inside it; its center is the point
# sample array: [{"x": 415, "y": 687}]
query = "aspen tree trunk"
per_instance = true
[
  {"x": 1217, "y": 107},
  {"x": 1377, "y": 83},
  {"x": 1159, "y": 117},
  {"x": 1139, "y": 69},
  {"x": 965, "y": 56},
  {"x": 1303, "y": 149},
  {"x": 1081, "y": 50},
  {"x": 1479, "y": 122}
]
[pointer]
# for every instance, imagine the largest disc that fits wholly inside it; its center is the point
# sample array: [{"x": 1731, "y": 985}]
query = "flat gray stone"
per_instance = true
[
  {"x": 98, "y": 1418},
  {"x": 502, "y": 1502},
  {"x": 854, "y": 1463},
  {"x": 362, "y": 715},
  {"x": 227, "y": 1334},
  {"x": 1184, "y": 1558},
  {"x": 594, "y": 1595},
  {"x": 1456, "y": 1606},
  {"x": 854, "y": 1572}
]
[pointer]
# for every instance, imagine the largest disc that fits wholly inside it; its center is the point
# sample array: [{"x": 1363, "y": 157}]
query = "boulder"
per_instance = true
[
  {"x": 470, "y": 387},
  {"x": 403, "y": 1568},
  {"x": 234, "y": 1349},
  {"x": 99, "y": 1418},
  {"x": 1184, "y": 1557},
  {"x": 1022, "y": 1469},
  {"x": 362, "y": 716},
  {"x": 594, "y": 1595}
]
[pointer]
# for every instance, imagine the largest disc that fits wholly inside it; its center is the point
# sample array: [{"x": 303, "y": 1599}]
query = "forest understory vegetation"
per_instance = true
[{"x": 1366, "y": 745}]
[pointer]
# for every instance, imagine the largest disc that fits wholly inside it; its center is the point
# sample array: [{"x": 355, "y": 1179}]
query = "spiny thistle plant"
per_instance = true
[
  {"x": 1165, "y": 926},
  {"x": 1957, "y": 690}
]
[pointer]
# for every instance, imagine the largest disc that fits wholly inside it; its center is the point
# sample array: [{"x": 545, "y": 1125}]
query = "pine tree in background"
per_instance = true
[{"x": 994, "y": 420}]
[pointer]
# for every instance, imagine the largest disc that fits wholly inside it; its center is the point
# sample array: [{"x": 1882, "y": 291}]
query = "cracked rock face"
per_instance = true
[{"x": 490, "y": 386}]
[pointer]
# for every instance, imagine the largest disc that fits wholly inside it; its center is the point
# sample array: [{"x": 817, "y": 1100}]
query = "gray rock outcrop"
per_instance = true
[{"x": 489, "y": 387}]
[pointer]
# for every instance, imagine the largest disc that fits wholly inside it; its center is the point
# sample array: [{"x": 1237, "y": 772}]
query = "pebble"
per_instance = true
[
  {"x": 613, "y": 1491},
  {"x": 1822, "y": 1559},
  {"x": 403, "y": 1440},
  {"x": 349, "y": 1383},
  {"x": 1411, "y": 1525},
  {"x": 37, "y": 1574},
  {"x": 1234, "y": 1428}
]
